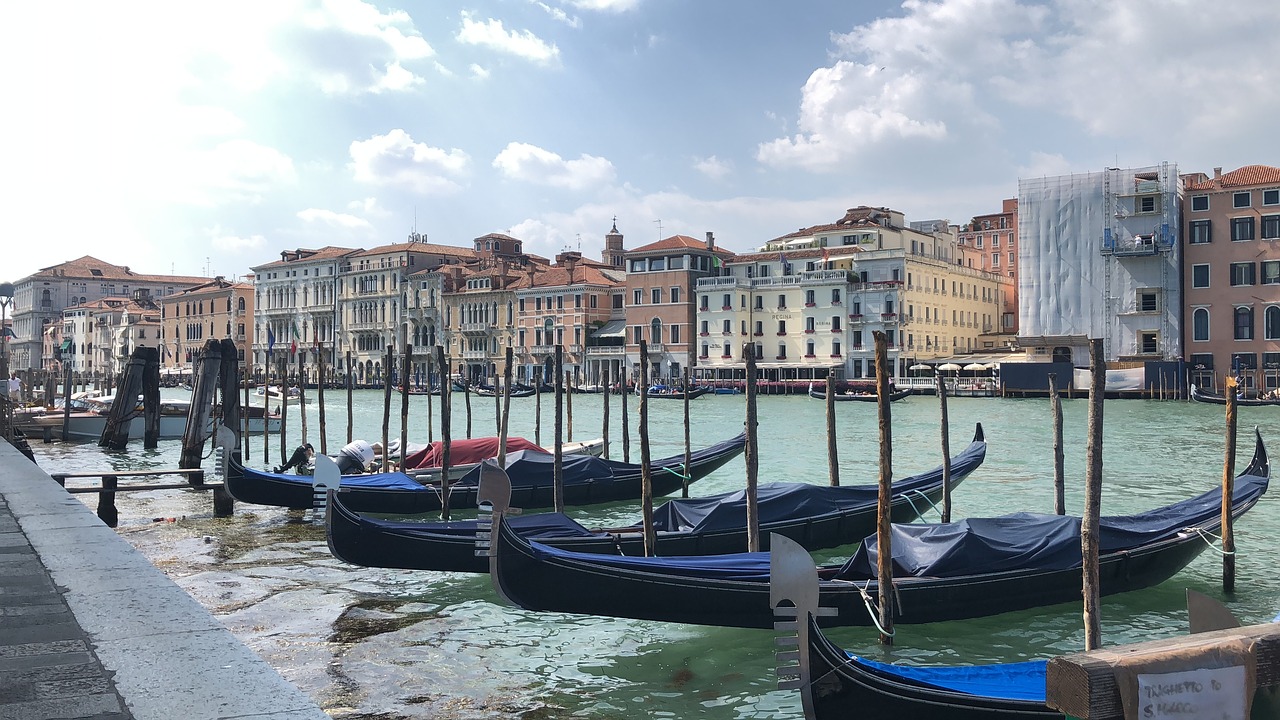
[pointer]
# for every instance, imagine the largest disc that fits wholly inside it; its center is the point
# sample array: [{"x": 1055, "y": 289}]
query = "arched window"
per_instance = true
[
  {"x": 1200, "y": 324},
  {"x": 1271, "y": 322},
  {"x": 655, "y": 331},
  {"x": 1244, "y": 323}
]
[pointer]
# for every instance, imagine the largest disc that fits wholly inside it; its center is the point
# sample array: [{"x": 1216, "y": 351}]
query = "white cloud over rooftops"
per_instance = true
[
  {"x": 395, "y": 159},
  {"x": 490, "y": 33},
  {"x": 530, "y": 163}
]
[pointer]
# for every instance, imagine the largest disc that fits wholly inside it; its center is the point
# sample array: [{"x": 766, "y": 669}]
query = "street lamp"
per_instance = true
[{"x": 6, "y": 297}]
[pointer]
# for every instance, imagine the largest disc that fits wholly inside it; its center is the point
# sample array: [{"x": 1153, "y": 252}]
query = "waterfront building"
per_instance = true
[
  {"x": 295, "y": 294},
  {"x": 1099, "y": 257},
  {"x": 660, "y": 300},
  {"x": 1232, "y": 276},
  {"x": 40, "y": 299},
  {"x": 478, "y": 318},
  {"x": 990, "y": 242},
  {"x": 808, "y": 302},
  {"x": 215, "y": 310},
  {"x": 424, "y": 303},
  {"x": 97, "y": 337},
  {"x": 371, "y": 293},
  {"x": 571, "y": 304}
]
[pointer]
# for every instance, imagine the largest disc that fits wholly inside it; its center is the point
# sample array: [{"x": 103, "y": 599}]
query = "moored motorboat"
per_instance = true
[
  {"x": 817, "y": 516},
  {"x": 985, "y": 566}
]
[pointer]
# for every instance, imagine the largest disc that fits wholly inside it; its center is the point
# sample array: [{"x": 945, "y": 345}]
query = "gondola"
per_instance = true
[
  {"x": 663, "y": 392},
  {"x": 894, "y": 395},
  {"x": 491, "y": 390},
  {"x": 971, "y": 568},
  {"x": 1203, "y": 396},
  {"x": 587, "y": 480},
  {"x": 835, "y": 685},
  {"x": 817, "y": 516}
]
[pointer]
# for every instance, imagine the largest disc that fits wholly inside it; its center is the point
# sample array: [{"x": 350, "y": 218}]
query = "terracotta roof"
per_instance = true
[
  {"x": 214, "y": 285},
  {"x": 833, "y": 253},
  {"x": 680, "y": 242},
  {"x": 498, "y": 236},
  {"x": 559, "y": 277},
  {"x": 420, "y": 247},
  {"x": 91, "y": 268},
  {"x": 854, "y": 218},
  {"x": 1242, "y": 177},
  {"x": 328, "y": 252}
]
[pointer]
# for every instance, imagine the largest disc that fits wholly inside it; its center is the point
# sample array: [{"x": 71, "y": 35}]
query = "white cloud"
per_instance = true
[
  {"x": 560, "y": 15},
  {"x": 491, "y": 34},
  {"x": 1041, "y": 164},
  {"x": 329, "y": 217},
  {"x": 369, "y": 207},
  {"x": 234, "y": 170},
  {"x": 478, "y": 72},
  {"x": 530, "y": 163},
  {"x": 223, "y": 240},
  {"x": 395, "y": 159},
  {"x": 606, "y": 5},
  {"x": 713, "y": 167}
]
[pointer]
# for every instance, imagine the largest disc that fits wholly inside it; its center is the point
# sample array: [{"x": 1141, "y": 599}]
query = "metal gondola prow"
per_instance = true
[
  {"x": 793, "y": 578},
  {"x": 493, "y": 500},
  {"x": 1261, "y": 464},
  {"x": 325, "y": 479}
]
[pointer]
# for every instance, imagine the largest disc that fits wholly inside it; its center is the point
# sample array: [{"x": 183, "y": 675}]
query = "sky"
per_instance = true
[{"x": 205, "y": 138}]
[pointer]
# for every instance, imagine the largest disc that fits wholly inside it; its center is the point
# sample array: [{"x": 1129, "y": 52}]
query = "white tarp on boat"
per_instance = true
[{"x": 1117, "y": 380}]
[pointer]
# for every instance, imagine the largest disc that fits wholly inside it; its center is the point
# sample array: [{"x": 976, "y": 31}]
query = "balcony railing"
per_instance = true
[
  {"x": 607, "y": 350},
  {"x": 476, "y": 328}
]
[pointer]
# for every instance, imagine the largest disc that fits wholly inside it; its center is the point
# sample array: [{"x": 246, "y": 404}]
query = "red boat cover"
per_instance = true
[{"x": 462, "y": 452}]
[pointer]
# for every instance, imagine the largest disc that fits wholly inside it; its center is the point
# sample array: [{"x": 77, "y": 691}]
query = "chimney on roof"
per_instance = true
[{"x": 711, "y": 240}]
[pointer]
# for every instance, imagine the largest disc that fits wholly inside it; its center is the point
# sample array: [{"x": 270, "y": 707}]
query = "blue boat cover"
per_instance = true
[
  {"x": 1032, "y": 540},
  {"x": 1006, "y": 681},
  {"x": 535, "y": 526},
  {"x": 752, "y": 567},
  {"x": 389, "y": 481}
]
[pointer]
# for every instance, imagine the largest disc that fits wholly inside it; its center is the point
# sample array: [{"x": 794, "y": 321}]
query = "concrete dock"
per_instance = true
[{"x": 90, "y": 629}]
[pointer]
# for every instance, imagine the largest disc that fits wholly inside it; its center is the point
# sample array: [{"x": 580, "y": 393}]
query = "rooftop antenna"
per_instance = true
[
  {"x": 579, "y": 236},
  {"x": 659, "y": 221}
]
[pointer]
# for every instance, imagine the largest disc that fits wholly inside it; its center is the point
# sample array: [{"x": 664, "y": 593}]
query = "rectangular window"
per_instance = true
[
  {"x": 782, "y": 351},
  {"x": 592, "y": 301},
  {"x": 674, "y": 333},
  {"x": 1148, "y": 300},
  {"x": 638, "y": 333},
  {"x": 521, "y": 303},
  {"x": 537, "y": 303},
  {"x": 1242, "y": 274},
  {"x": 1200, "y": 276},
  {"x": 657, "y": 264},
  {"x": 657, "y": 295},
  {"x": 638, "y": 266},
  {"x": 1012, "y": 257},
  {"x": 782, "y": 301},
  {"x": 1243, "y": 323},
  {"x": 1241, "y": 229},
  {"x": 675, "y": 294},
  {"x": 1240, "y": 200},
  {"x": 617, "y": 301},
  {"x": 637, "y": 296},
  {"x": 978, "y": 243},
  {"x": 1271, "y": 197},
  {"x": 1149, "y": 342},
  {"x": 1199, "y": 203},
  {"x": 1146, "y": 204},
  {"x": 835, "y": 348},
  {"x": 1270, "y": 227},
  {"x": 706, "y": 303},
  {"x": 1271, "y": 272},
  {"x": 995, "y": 241},
  {"x": 995, "y": 259},
  {"x": 675, "y": 263},
  {"x": 1200, "y": 232}
]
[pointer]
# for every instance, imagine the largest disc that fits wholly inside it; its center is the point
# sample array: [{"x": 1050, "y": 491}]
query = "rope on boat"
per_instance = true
[
  {"x": 872, "y": 610},
  {"x": 907, "y": 496},
  {"x": 682, "y": 477},
  {"x": 1206, "y": 535}
]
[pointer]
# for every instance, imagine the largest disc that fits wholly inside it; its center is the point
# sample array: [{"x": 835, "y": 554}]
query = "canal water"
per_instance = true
[{"x": 371, "y": 643}]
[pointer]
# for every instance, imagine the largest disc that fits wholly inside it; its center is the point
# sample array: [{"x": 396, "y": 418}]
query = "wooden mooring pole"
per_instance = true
[
  {"x": 209, "y": 363},
  {"x": 302, "y": 395},
  {"x": 688, "y": 449},
  {"x": 115, "y": 432},
  {"x": 626, "y": 430},
  {"x": 604, "y": 413},
  {"x": 229, "y": 381},
  {"x": 150, "y": 398},
  {"x": 388, "y": 362},
  {"x": 266, "y": 411},
  {"x": 751, "y": 452},
  {"x": 833, "y": 459},
  {"x": 537, "y": 406},
  {"x": 884, "y": 506},
  {"x": 646, "y": 473},
  {"x": 350, "y": 383},
  {"x": 946, "y": 449},
  {"x": 506, "y": 407},
  {"x": 568, "y": 405},
  {"x": 1089, "y": 544},
  {"x": 446, "y": 399},
  {"x": 1059, "y": 462},
  {"x": 406, "y": 364},
  {"x": 1228, "y": 492},
  {"x": 466, "y": 394},
  {"x": 430, "y": 418},
  {"x": 558, "y": 450},
  {"x": 320, "y": 381},
  {"x": 284, "y": 408}
]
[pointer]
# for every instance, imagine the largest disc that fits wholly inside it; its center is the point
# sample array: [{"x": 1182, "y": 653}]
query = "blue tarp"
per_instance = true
[
  {"x": 1007, "y": 681},
  {"x": 1031, "y": 540},
  {"x": 536, "y": 526}
]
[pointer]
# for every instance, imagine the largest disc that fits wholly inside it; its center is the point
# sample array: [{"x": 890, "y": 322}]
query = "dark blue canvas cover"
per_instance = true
[
  {"x": 535, "y": 526},
  {"x": 389, "y": 481},
  {"x": 1031, "y": 540}
]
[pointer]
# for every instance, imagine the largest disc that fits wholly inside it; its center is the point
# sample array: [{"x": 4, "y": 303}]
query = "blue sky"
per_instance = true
[{"x": 191, "y": 138}]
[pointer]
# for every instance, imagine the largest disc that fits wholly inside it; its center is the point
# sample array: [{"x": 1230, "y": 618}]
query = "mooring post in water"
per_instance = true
[
  {"x": 537, "y": 406},
  {"x": 688, "y": 450},
  {"x": 833, "y": 459},
  {"x": 1089, "y": 546},
  {"x": 946, "y": 451},
  {"x": 208, "y": 365},
  {"x": 751, "y": 453},
  {"x": 302, "y": 398},
  {"x": 244, "y": 403},
  {"x": 604, "y": 430},
  {"x": 558, "y": 451},
  {"x": 320, "y": 380},
  {"x": 350, "y": 384},
  {"x": 430, "y": 391},
  {"x": 266, "y": 410},
  {"x": 115, "y": 432},
  {"x": 1229, "y": 492},
  {"x": 884, "y": 506},
  {"x": 150, "y": 397},
  {"x": 497, "y": 406},
  {"x": 387, "y": 364},
  {"x": 1059, "y": 461},
  {"x": 446, "y": 399},
  {"x": 406, "y": 365},
  {"x": 466, "y": 394},
  {"x": 646, "y": 473},
  {"x": 568, "y": 406},
  {"x": 66, "y": 401},
  {"x": 284, "y": 408},
  {"x": 626, "y": 426},
  {"x": 506, "y": 408},
  {"x": 229, "y": 380}
]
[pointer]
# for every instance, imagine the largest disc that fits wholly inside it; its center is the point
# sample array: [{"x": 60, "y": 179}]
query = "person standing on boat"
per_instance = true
[{"x": 15, "y": 388}]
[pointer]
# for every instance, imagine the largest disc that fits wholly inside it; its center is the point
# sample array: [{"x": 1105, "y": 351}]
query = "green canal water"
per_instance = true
[{"x": 370, "y": 643}]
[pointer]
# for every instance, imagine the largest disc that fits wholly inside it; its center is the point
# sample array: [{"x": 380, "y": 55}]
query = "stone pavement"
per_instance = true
[{"x": 90, "y": 629}]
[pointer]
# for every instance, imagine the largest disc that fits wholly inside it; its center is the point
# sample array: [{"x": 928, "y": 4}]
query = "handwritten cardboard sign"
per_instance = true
[{"x": 1203, "y": 694}]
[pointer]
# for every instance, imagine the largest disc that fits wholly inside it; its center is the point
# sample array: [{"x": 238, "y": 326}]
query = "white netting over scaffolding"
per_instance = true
[{"x": 1098, "y": 258}]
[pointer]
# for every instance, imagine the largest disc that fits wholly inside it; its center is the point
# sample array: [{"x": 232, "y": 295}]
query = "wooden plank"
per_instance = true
[
  {"x": 1084, "y": 685},
  {"x": 127, "y": 473},
  {"x": 132, "y": 488}
]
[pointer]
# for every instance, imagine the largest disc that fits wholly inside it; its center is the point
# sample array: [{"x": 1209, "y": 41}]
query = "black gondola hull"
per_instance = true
[{"x": 893, "y": 396}]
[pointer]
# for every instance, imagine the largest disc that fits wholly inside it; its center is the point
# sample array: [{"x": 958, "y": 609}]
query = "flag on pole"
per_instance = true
[
  {"x": 293, "y": 331},
  {"x": 715, "y": 261},
  {"x": 271, "y": 339},
  {"x": 826, "y": 256}
]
